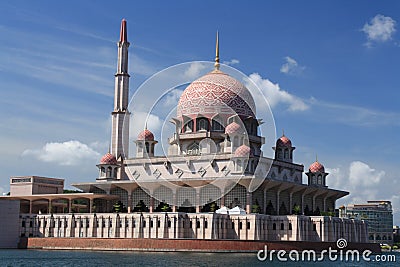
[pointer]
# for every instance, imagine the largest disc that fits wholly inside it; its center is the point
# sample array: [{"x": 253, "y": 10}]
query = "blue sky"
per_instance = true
[{"x": 329, "y": 68}]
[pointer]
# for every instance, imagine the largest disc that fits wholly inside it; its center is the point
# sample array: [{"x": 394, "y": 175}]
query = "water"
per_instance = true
[{"x": 43, "y": 258}]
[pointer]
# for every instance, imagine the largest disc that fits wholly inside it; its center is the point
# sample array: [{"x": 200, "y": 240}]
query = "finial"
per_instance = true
[
  {"x": 109, "y": 148},
  {"x": 123, "y": 37},
  {"x": 316, "y": 157},
  {"x": 145, "y": 126},
  {"x": 216, "y": 64},
  {"x": 283, "y": 132}
]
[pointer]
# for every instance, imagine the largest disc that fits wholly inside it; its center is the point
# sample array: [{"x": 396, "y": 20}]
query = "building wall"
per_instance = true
[
  {"x": 194, "y": 226},
  {"x": 9, "y": 231}
]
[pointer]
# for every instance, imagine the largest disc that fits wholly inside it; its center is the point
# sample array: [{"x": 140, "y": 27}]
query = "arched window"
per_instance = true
[
  {"x": 239, "y": 165},
  {"x": 314, "y": 179},
  {"x": 109, "y": 172},
  {"x": 371, "y": 237},
  {"x": 193, "y": 149},
  {"x": 286, "y": 153},
  {"x": 320, "y": 179},
  {"x": 103, "y": 171},
  {"x": 147, "y": 147},
  {"x": 217, "y": 126},
  {"x": 279, "y": 153},
  {"x": 282, "y": 226},
  {"x": 235, "y": 141},
  {"x": 188, "y": 127},
  {"x": 202, "y": 124},
  {"x": 274, "y": 226},
  {"x": 115, "y": 172}
]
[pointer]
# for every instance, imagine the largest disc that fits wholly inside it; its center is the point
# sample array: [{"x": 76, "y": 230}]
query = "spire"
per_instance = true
[
  {"x": 123, "y": 37},
  {"x": 216, "y": 64}
]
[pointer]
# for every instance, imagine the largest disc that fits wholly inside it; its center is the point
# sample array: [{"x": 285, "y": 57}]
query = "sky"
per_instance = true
[{"x": 328, "y": 70}]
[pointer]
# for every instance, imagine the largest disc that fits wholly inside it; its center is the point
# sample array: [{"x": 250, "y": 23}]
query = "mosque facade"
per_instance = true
[{"x": 214, "y": 182}]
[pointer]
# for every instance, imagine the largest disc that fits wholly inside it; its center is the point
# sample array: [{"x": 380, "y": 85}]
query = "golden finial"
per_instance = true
[{"x": 216, "y": 64}]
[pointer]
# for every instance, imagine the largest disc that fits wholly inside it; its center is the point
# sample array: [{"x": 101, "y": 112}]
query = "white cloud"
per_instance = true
[
  {"x": 69, "y": 153},
  {"x": 380, "y": 29},
  {"x": 195, "y": 70},
  {"x": 291, "y": 67},
  {"x": 363, "y": 182},
  {"x": 362, "y": 174},
  {"x": 172, "y": 98},
  {"x": 275, "y": 95},
  {"x": 231, "y": 62}
]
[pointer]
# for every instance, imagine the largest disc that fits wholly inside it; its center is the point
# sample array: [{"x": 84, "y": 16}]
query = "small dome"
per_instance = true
[
  {"x": 243, "y": 151},
  {"x": 145, "y": 135},
  {"x": 108, "y": 159},
  {"x": 316, "y": 167},
  {"x": 233, "y": 128},
  {"x": 283, "y": 141}
]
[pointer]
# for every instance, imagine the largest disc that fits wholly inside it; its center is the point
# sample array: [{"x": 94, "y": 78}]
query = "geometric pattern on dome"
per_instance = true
[
  {"x": 145, "y": 135},
  {"x": 242, "y": 151},
  {"x": 216, "y": 93},
  {"x": 316, "y": 167},
  {"x": 284, "y": 141},
  {"x": 233, "y": 128},
  {"x": 108, "y": 159}
]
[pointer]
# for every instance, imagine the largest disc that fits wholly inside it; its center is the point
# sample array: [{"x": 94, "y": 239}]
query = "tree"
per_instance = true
[
  {"x": 256, "y": 207},
  {"x": 296, "y": 209}
]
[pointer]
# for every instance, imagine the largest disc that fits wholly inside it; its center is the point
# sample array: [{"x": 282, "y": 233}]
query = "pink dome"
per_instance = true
[
  {"x": 243, "y": 151},
  {"x": 316, "y": 167},
  {"x": 233, "y": 128},
  {"x": 284, "y": 141},
  {"x": 145, "y": 135},
  {"x": 108, "y": 159},
  {"x": 216, "y": 93}
]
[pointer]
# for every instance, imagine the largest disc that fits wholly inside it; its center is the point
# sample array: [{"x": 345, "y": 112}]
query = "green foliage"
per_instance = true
[
  {"x": 296, "y": 210},
  {"x": 256, "y": 207}
]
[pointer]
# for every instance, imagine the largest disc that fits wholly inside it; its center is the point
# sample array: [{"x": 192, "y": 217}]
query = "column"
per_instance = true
[
  {"x": 90, "y": 205},
  {"x": 49, "y": 209},
  {"x": 277, "y": 202},
  {"x": 265, "y": 201},
  {"x": 248, "y": 202},
  {"x": 197, "y": 200},
  {"x": 223, "y": 201},
  {"x": 151, "y": 204},
  {"x": 69, "y": 205},
  {"x": 30, "y": 206},
  {"x": 130, "y": 201},
  {"x": 174, "y": 201}
]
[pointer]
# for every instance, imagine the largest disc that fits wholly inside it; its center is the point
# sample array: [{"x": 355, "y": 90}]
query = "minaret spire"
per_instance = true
[
  {"x": 120, "y": 114},
  {"x": 123, "y": 37},
  {"x": 216, "y": 64}
]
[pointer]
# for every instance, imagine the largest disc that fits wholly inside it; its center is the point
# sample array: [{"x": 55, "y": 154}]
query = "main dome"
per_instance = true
[{"x": 216, "y": 93}]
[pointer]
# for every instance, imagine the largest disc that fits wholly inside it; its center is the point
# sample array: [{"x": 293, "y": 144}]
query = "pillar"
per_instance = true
[
  {"x": 151, "y": 204},
  {"x": 49, "y": 209},
  {"x": 30, "y": 206},
  {"x": 265, "y": 201},
  {"x": 277, "y": 202},
  {"x": 248, "y": 202},
  {"x": 174, "y": 201},
  {"x": 90, "y": 205},
  {"x": 69, "y": 205},
  {"x": 197, "y": 200},
  {"x": 130, "y": 199}
]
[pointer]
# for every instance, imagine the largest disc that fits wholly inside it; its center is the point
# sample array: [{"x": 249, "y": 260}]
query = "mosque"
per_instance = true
[{"x": 214, "y": 182}]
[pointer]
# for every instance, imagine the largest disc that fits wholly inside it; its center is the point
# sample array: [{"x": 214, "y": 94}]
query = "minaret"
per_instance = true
[{"x": 120, "y": 115}]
